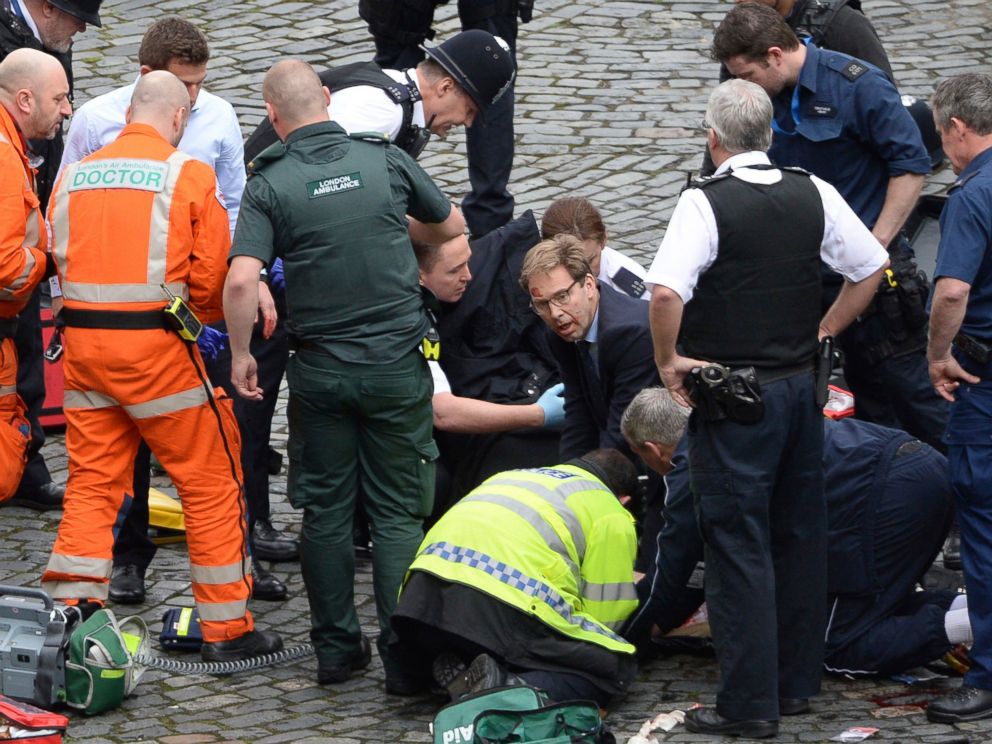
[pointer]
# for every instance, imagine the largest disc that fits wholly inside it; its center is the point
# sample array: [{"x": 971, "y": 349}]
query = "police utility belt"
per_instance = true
[
  {"x": 975, "y": 349},
  {"x": 176, "y": 316},
  {"x": 724, "y": 394}
]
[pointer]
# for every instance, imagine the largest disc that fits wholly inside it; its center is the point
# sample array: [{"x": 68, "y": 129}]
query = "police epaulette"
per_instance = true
[
  {"x": 269, "y": 155},
  {"x": 705, "y": 181},
  {"x": 379, "y": 137},
  {"x": 849, "y": 67},
  {"x": 962, "y": 181}
]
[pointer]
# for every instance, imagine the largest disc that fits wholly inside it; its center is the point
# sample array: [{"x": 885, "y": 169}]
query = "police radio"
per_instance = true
[{"x": 181, "y": 317}]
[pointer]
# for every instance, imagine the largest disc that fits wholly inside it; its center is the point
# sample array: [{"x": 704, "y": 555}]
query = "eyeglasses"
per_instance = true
[
  {"x": 705, "y": 124},
  {"x": 558, "y": 299}
]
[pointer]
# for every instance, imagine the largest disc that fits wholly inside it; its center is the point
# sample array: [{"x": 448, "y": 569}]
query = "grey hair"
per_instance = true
[
  {"x": 966, "y": 97},
  {"x": 740, "y": 113},
  {"x": 654, "y": 416}
]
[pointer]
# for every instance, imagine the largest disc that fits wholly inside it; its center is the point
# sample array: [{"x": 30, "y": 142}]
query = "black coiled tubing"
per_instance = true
[{"x": 176, "y": 666}]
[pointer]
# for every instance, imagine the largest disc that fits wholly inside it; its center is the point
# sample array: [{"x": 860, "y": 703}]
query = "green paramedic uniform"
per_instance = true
[{"x": 334, "y": 208}]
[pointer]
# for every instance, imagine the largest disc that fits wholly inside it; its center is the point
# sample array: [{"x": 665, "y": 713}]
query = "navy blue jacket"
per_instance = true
[
  {"x": 626, "y": 366},
  {"x": 845, "y": 122}
]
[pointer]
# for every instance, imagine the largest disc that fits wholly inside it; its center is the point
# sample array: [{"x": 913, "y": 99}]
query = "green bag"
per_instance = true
[
  {"x": 100, "y": 671},
  {"x": 571, "y": 722},
  {"x": 453, "y": 723}
]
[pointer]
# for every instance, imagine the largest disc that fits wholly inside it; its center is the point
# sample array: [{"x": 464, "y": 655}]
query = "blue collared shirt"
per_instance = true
[
  {"x": 965, "y": 250},
  {"x": 845, "y": 122}
]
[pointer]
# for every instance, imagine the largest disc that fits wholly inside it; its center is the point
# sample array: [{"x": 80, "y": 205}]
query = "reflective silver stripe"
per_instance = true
[
  {"x": 77, "y": 589},
  {"x": 168, "y": 403},
  {"x": 79, "y": 565},
  {"x": 518, "y": 580},
  {"x": 96, "y": 293},
  {"x": 158, "y": 228},
  {"x": 221, "y": 611},
  {"x": 220, "y": 574},
  {"x": 87, "y": 399},
  {"x": 59, "y": 219},
  {"x": 535, "y": 520},
  {"x": 19, "y": 282},
  {"x": 31, "y": 234},
  {"x": 608, "y": 592},
  {"x": 556, "y": 497},
  {"x": 8, "y": 389}
]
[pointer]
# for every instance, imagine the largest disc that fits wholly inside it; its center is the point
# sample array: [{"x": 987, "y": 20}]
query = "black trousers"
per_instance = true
[
  {"x": 31, "y": 388},
  {"x": 133, "y": 545},
  {"x": 759, "y": 498},
  {"x": 489, "y": 204},
  {"x": 434, "y": 616},
  {"x": 894, "y": 392}
]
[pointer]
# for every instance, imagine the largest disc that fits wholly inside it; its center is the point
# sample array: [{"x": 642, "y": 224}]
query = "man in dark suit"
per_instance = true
[{"x": 602, "y": 343}]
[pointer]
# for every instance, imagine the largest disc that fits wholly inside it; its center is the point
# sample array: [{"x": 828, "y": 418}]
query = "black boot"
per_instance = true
[
  {"x": 270, "y": 544},
  {"x": 251, "y": 644},
  {"x": 265, "y": 586}
]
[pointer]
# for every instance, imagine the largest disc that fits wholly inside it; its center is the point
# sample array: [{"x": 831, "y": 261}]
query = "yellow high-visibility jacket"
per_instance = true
[{"x": 554, "y": 543}]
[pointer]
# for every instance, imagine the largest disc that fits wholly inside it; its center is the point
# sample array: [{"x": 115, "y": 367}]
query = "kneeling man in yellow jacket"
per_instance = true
[{"x": 525, "y": 579}]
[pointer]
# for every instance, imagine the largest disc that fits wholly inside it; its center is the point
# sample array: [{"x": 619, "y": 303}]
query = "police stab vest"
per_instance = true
[
  {"x": 759, "y": 303},
  {"x": 411, "y": 137}
]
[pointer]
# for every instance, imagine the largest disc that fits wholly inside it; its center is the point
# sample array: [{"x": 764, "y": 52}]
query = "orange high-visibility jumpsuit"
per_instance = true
[
  {"x": 23, "y": 240},
  {"x": 129, "y": 218}
]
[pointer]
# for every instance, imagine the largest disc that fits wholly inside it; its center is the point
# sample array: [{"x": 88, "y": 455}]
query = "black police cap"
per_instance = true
[
  {"x": 84, "y": 10},
  {"x": 479, "y": 62}
]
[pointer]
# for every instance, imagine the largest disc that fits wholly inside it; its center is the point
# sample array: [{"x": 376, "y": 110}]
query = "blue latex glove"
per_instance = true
[
  {"x": 552, "y": 402},
  {"x": 212, "y": 342},
  {"x": 277, "y": 277}
]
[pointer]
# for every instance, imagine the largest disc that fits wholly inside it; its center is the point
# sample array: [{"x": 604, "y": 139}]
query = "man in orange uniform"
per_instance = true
[
  {"x": 133, "y": 224},
  {"x": 34, "y": 99}
]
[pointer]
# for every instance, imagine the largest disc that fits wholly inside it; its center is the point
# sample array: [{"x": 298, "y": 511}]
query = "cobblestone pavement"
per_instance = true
[{"x": 609, "y": 100}]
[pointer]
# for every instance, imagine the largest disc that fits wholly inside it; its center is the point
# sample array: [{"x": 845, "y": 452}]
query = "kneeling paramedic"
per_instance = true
[
  {"x": 136, "y": 226},
  {"x": 527, "y": 578}
]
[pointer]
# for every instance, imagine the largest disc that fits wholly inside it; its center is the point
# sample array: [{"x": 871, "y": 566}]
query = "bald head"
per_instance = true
[
  {"x": 35, "y": 92},
  {"x": 294, "y": 96},
  {"x": 161, "y": 100}
]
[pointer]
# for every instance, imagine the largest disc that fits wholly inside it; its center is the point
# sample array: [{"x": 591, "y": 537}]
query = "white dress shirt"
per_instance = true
[
  {"x": 364, "y": 108},
  {"x": 212, "y": 135},
  {"x": 25, "y": 14},
  {"x": 691, "y": 241}
]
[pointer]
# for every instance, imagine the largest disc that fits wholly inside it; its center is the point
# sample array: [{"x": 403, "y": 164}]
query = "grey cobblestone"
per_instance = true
[{"x": 609, "y": 98}]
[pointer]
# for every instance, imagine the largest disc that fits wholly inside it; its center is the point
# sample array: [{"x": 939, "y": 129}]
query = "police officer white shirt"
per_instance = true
[
  {"x": 611, "y": 262},
  {"x": 212, "y": 136},
  {"x": 364, "y": 108},
  {"x": 441, "y": 384},
  {"x": 691, "y": 241}
]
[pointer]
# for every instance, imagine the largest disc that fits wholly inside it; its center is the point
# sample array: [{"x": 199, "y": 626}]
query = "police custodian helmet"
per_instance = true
[
  {"x": 479, "y": 62},
  {"x": 84, "y": 10}
]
